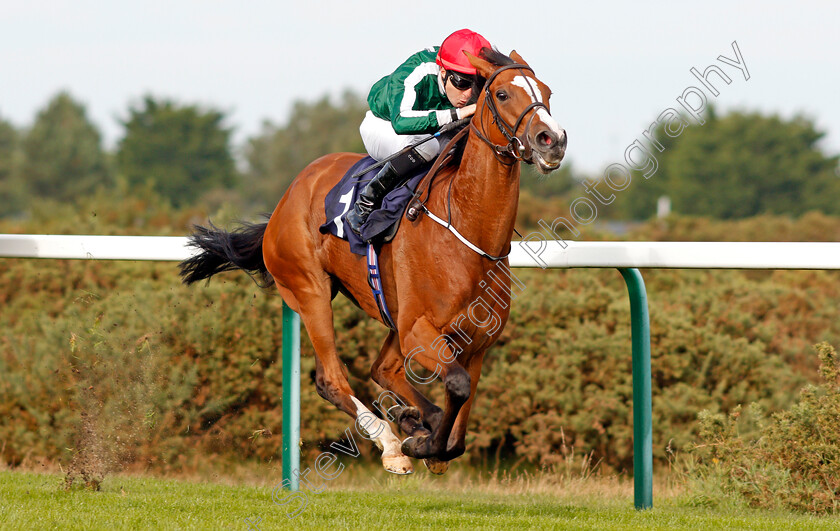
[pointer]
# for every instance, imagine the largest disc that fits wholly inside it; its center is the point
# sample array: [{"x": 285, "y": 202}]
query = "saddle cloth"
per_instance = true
[{"x": 382, "y": 224}]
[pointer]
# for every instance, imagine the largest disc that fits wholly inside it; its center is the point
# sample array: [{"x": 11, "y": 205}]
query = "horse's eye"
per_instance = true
[{"x": 501, "y": 95}]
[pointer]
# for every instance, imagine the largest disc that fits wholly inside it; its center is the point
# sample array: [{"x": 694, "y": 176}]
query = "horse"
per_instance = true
[{"x": 431, "y": 280}]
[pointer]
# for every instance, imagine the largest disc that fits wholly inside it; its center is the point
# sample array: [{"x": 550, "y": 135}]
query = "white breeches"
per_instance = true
[{"x": 381, "y": 141}]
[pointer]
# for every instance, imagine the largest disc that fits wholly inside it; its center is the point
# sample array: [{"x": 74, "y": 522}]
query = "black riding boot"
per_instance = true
[{"x": 393, "y": 174}]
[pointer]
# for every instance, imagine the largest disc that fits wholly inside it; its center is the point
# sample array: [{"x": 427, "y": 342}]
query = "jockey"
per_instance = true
[{"x": 430, "y": 89}]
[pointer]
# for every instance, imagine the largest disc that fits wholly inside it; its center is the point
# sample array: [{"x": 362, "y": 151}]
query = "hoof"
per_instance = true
[
  {"x": 417, "y": 447},
  {"x": 400, "y": 465},
  {"x": 407, "y": 446},
  {"x": 436, "y": 466}
]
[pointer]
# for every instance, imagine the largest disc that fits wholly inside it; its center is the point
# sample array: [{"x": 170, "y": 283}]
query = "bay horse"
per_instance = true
[{"x": 429, "y": 278}]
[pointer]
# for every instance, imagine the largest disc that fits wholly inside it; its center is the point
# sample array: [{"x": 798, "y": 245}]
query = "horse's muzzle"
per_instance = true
[{"x": 548, "y": 148}]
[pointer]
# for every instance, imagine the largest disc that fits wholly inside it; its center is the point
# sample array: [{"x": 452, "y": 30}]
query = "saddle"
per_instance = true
[{"x": 383, "y": 223}]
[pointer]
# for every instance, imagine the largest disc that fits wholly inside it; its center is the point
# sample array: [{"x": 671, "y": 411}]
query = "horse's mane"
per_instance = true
[{"x": 495, "y": 57}]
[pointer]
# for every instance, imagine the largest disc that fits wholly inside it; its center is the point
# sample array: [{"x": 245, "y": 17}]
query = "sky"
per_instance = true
[{"x": 613, "y": 67}]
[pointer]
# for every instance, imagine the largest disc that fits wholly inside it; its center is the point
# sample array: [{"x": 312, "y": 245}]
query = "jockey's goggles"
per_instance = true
[{"x": 460, "y": 81}]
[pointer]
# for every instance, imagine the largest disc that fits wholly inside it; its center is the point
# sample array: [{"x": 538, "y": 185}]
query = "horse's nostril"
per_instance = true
[{"x": 544, "y": 138}]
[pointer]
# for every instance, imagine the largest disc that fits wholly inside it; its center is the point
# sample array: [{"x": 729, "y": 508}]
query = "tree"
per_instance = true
[
  {"x": 62, "y": 153},
  {"x": 12, "y": 192},
  {"x": 8, "y": 143},
  {"x": 183, "y": 150},
  {"x": 739, "y": 165},
  {"x": 279, "y": 153}
]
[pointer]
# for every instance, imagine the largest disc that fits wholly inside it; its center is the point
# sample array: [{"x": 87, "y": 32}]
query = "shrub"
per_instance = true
[{"x": 790, "y": 460}]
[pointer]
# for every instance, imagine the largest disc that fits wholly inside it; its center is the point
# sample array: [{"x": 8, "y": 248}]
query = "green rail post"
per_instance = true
[
  {"x": 291, "y": 397},
  {"x": 642, "y": 414}
]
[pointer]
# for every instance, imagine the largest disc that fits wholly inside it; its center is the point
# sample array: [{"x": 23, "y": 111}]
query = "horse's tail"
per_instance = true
[{"x": 226, "y": 251}]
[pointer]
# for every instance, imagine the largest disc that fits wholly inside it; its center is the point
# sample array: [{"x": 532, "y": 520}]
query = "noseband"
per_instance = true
[{"x": 516, "y": 148}]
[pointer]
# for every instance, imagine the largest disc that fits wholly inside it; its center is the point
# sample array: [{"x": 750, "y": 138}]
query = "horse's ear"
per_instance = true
[
  {"x": 485, "y": 69},
  {"x": 518, "y": 58}
]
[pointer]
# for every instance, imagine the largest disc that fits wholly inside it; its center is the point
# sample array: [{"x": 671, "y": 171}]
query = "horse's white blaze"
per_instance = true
[
  {"x": 386, "y": 438},
  {"x": 532, "y": 89},
  {"x": 529, "y": 86}
]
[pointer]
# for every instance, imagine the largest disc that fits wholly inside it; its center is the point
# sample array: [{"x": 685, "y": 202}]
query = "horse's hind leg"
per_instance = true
[{"x": 331, "y": 379}]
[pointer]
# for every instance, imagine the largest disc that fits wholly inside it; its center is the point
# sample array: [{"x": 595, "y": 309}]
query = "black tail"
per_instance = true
[{"x": 227, "y": 251}]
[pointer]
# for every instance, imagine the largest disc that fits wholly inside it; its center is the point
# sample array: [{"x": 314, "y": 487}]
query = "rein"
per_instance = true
[{"x": 417, "y": 205}]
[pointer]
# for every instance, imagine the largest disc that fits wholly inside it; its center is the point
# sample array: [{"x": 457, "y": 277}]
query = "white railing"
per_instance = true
[
  {"x": 171, "y": 248},
  {"x": 534, "y": 253}
]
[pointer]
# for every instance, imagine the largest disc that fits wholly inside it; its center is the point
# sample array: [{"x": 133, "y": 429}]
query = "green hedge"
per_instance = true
[{"x": 170, "y": 377}]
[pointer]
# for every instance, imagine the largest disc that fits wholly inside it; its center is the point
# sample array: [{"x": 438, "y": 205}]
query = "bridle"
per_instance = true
[{"x": 516, "y": 149}]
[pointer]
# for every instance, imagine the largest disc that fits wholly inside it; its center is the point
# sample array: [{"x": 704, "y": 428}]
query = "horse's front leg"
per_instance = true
[
  {"x": 417, "y": 414},
  {"x": 456, "y": 445},
  {"x": 417, "y": 343},
  {"x": 457, "y": 439}
]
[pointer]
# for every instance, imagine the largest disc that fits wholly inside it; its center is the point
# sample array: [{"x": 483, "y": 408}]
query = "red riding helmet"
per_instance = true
[{"x": 451, "y": 54}]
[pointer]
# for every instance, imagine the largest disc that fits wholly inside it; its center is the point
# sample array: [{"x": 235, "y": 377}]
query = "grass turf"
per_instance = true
[{"x": 38, "y": 501}]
